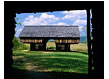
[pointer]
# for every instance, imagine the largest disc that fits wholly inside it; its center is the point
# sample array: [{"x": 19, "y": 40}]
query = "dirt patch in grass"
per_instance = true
[
  {"x": 25, "y": 50},
  {"x": 46, "y": 52},
  {"x": 18, "y": 57},
  {"x": 29, "y": 65},
  {"x": 32, "y": 67}
]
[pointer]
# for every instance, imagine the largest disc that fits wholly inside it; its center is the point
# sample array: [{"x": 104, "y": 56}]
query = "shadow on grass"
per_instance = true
[
  {"x": 86, "y": 53},
  {"x": 25, "y": 74},
  {"x": 61, "y": 64},
  {"x": 55, "y": 62}
]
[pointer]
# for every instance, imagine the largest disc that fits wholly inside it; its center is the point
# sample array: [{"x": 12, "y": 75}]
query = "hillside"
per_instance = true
[{"x": 83, "y": 39}]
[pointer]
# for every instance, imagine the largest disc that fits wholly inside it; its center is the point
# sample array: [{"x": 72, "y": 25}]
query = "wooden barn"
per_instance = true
[{"x": 37, "y": 36}]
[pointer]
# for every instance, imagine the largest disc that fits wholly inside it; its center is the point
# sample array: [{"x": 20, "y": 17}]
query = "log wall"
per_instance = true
[
  {"x": 71, "y": 41},
  {"x": 31, "y": 40}
]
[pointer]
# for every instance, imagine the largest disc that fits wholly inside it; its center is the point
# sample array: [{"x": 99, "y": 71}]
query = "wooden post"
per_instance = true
[
  {"x": 32, "y": 46},
  {"x": 57, "y": 47},
  {"x": 44, "y": 46},
  {"x": 89, "y": 44},
  {"x": 67, "y": 47}
]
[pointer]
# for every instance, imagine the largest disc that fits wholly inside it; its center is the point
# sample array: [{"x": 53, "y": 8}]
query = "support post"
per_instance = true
[
  {"x": 44, "y": 46},
  {"x": 89, "y": 44},
  {"x": 67, "y": 47},
  {"x": 32, "y": 46},
  {"x": 57, "y": 46}
]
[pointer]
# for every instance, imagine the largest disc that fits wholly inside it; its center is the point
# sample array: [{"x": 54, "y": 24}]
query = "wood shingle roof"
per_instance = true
[{"x": 50, "y": 31}]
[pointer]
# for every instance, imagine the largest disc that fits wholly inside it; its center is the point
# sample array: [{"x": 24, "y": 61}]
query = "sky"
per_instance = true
[{"x": 69, "y": 18}]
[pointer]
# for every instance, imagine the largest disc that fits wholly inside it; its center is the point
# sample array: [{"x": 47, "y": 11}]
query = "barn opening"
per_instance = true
[{"x": 51, "y": 45}]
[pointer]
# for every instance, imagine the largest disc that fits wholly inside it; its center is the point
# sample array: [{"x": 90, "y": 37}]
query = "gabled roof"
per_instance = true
[{"x": 50, "y": 31}]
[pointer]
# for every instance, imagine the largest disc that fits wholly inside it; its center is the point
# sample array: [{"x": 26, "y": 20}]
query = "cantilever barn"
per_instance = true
[{"x": 37, "y": 36}]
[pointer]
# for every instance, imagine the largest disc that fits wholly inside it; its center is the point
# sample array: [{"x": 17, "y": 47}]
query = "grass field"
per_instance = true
[{"x": 52, "y": 61}]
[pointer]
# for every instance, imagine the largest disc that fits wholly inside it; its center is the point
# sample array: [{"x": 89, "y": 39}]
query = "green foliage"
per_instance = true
[
  {"x": 23, "y": 47},
  {"x": 18, "y": 53},
  {"x": 18, "y": 44}
]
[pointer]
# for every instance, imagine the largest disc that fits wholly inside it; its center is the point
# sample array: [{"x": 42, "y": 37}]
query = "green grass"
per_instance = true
[{"x": 53, "y": 61}]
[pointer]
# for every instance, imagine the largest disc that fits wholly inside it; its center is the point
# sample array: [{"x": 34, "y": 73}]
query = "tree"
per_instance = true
[
  {"x": 16, "y": 43},
  {"x": 19, "y": 45}
]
